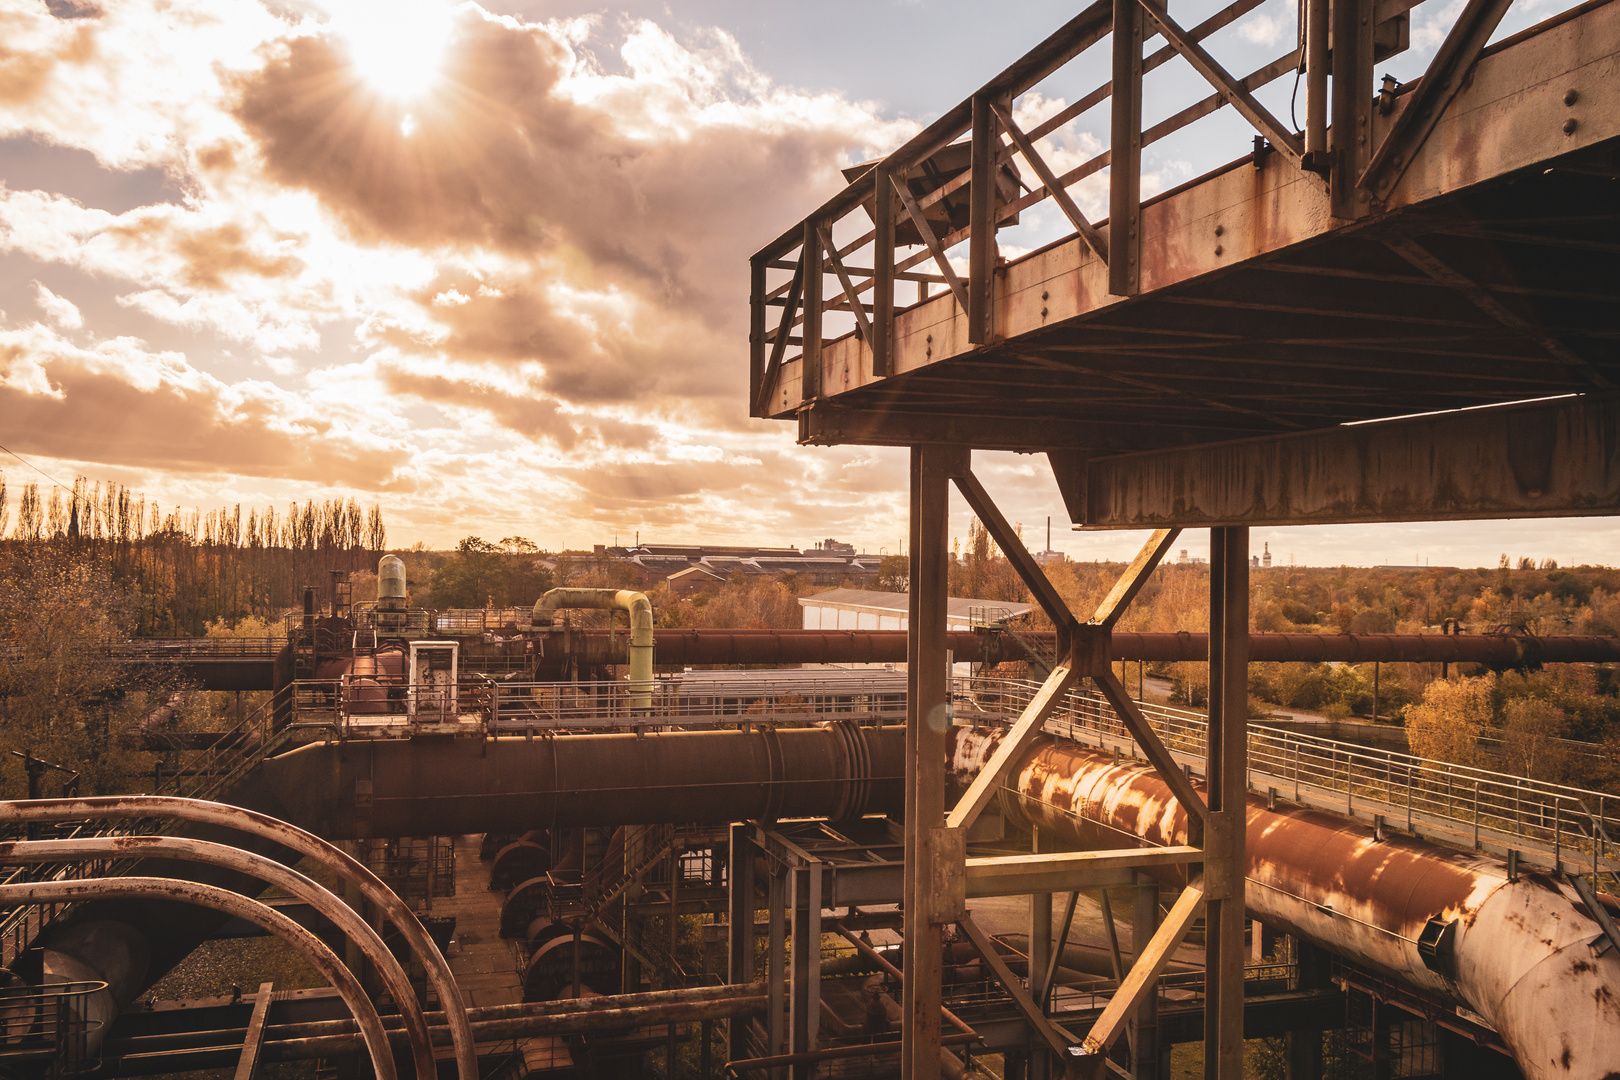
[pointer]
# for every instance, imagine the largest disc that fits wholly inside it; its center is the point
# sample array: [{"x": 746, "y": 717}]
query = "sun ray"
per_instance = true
[{"x": 396, "y": 46}]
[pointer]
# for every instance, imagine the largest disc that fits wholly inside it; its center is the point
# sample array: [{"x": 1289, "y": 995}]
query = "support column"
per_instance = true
[
  {"x": 805, "y": 1007},
  {"x": 776, "y": 976},
  {"x": 926, "y": 723},
  {"x": 740, "y": 935},
  {"x": 1351, "y": 133},
  {"x": 1145, "y": 1024},
  {"x": 1227, "y": 786},
  {"x": 1040, "y": 955}
]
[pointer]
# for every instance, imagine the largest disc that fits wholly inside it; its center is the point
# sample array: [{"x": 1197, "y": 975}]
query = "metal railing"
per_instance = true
[
  {"x": 865, "y": 697},
  {"x": 1049, "y": 132},
  {"x": 45, "y": 1030},
  {"x": 1552, "y": 825}
]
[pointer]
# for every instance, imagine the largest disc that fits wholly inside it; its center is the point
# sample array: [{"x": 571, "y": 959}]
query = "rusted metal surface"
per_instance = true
[
  {"x": 373, "y": 1039},
  {"x": 1512, "y": 951},
  {"x": 1549, "y": 459},
  {"x": 412, "y": 788},
  {"x": 271, "y": 873},
  {"x": 1255, "y": 307},
  {"x": 307, "y": 844}
]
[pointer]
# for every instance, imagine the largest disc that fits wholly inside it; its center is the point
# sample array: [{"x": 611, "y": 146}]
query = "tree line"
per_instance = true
[{"x": 185, "y": 570}]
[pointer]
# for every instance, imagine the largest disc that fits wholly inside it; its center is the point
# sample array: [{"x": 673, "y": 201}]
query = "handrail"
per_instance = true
[
  {"x": 954, "y": 181},
  {"x": 1453, "y": 804}
]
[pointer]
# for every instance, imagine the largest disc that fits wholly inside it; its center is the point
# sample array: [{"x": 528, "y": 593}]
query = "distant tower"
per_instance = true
[{"x": 1265, "y": 560}]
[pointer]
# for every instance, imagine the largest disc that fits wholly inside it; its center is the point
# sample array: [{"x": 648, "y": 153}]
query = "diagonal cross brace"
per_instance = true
[
  {"x": 926, "y": 231},
  {"x": 784, "y": 330},
  {"x": 1157, "y": 754},
  {"x": 1034, "y": 578},
  {"x": 1231, "y": 89},
  {"x": 1060, "y": 195},
  {"x": 1018, "y": 737},
  {"x": 1135, "y": 576},
  {"x": 1048, "y": 1031},
  {"x": 850, "y": 293},
  {"x": 1139, "y": 982},
  {"x": 1450, "y": 66}
]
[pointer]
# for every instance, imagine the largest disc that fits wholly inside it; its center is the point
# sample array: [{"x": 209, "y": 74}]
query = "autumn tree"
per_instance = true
[{"x": 1447, "y": 723}]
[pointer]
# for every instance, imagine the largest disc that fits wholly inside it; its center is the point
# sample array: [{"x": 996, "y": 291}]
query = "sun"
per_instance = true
[{"x": 396, "y": 46}]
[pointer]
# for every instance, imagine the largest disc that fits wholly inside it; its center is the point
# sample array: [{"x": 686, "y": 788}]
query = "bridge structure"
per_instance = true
[{"x": 1402, "y": 310}]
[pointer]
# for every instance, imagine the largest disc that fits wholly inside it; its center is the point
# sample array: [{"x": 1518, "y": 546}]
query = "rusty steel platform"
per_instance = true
[{"x": 1465, "y": 253}]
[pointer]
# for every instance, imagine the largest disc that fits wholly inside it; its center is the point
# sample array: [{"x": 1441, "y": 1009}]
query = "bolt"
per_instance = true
[
  {"x": 1043, "y": 313},
  {"x": 1571, "y": 97},
  {"x": 1043, "y": 295},
  {"x": 1569, "y": 126},
  {"x": 1217, "y": 249},
  {"x": 1220, "y": 230}
]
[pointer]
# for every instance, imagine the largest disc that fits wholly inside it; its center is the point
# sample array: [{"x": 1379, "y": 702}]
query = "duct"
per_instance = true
[
  {"x": 641, "y": 629},
  {"x": 271, "y": 872},
  {"x": 375, "y": 1039},
  {"x": 435, "y": 788},
  {"x": 198, "y": 812},
  {"x": 1451, "y": 925}
]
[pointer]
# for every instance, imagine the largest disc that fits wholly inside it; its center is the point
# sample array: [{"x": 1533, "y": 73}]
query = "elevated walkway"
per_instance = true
[{"x": 1441, "y": 244}]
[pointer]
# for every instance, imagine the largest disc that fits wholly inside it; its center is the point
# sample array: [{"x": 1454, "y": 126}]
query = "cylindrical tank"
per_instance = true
[
  {"x": 390, "y": 578},
  {"x": 391, "y": 600}
]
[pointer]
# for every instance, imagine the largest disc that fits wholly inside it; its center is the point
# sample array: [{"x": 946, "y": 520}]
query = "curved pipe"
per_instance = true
[
  {"x": 1513, "y": 951},
  {"x": 272, "y": 873},
  {"x": 190, "y": 892},
  {"x": 641, "y": 629},
  {"x": 128, "y": 807}
]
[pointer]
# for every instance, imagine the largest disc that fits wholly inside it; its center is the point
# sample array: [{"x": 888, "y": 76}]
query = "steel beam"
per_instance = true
[
  {"x": 1558, "y": 458},
  {"x": 1139, "y": 982},
  {"x": 247, "y": 1066},
  {"x": 1444, "y": 77},
  {"x": 810, "y": 328},
  {"x": 1065, "y": 871},
  {"x": 1351, "y": 133},
  {"x": 1023, "y": 731},
  {"x": 741, "y": 908},
  {"x": 1056, "y": 1039},
  {"x": 1226, "y": 784},
  {"x": 927, "y": 724},
  {"x": 882, "y": 271},
  {"x": 1125, "y": 153}
]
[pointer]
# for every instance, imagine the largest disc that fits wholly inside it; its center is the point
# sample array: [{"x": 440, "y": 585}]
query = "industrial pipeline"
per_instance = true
[
  {"x": 1512, "y": 949},
  {"x": 1520, "y": 950}
]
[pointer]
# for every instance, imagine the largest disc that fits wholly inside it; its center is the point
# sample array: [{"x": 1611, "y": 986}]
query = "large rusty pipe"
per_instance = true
[
  {"x": 306, "y": 844},
  {"x": 417, "y": 788},
  {"x": 1514, "y": 951},
  {"x": 80, "y": 849},
  {"x": 373, "y": 1038},
  {"x": 678, "y": 647}
]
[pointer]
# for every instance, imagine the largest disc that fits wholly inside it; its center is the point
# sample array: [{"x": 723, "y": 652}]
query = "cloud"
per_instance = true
[
  {"x": 116, "y": 401},
  {"x": 63, "y": 312}
]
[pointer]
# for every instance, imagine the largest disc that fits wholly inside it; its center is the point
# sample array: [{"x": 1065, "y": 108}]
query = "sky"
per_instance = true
[{"x": 486, "y": 265}]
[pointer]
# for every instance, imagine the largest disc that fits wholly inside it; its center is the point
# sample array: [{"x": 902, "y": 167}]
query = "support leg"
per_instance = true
[
  {"x": 740, "y": 959},
  {"x": 1227, "y": 766},
  {"x": 926, "y": 722}
]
